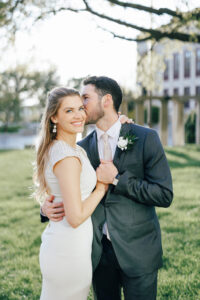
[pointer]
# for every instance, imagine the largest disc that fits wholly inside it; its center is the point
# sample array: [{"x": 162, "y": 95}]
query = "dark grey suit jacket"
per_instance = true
[{"x": 129, "y": 208}]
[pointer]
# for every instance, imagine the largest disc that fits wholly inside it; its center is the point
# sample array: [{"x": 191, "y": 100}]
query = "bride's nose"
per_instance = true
[{"x": 78, "y": 115}]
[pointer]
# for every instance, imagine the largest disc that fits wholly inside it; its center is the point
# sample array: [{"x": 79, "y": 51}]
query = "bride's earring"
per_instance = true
[{"x": 54, "y": 129}]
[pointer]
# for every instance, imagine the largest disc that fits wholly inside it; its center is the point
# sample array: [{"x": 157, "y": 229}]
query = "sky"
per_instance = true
[{"x": 77, "y": 47}]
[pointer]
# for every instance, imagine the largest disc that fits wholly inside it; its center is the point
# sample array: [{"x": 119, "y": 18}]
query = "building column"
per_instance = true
[
  {"x": 124, "y": 107},
  {"x": 178, "y": 123},
  {"x": 164, "y": 122},
  {"x": 198, "y": 122},
  {"x": 140, "y": 112}
]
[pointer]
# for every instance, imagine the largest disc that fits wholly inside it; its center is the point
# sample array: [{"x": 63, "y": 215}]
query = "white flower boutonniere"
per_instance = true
[{"x": 126, "y": 142}]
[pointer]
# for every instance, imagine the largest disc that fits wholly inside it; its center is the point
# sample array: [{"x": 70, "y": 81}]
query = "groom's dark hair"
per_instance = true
[{"x": 105, "y": 85}]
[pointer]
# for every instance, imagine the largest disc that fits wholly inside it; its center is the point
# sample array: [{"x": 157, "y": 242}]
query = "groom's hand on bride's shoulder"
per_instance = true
[
  {"x": 54, "y": 211},
  {"x": 124, "y": 119}
]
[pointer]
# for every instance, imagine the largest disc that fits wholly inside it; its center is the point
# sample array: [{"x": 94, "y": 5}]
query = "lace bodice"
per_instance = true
[{"x": 58, "y": 151}]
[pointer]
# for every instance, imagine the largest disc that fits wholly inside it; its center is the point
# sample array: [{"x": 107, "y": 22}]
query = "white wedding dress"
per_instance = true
[{"x": 65, "y": 253}]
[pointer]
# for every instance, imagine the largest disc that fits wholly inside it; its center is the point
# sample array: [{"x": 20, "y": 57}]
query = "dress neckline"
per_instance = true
[{"x": 74, "y": 148}]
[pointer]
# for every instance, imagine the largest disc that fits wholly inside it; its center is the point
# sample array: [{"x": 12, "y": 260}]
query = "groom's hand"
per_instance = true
[
  {"x": 54, "y": 211},
  {"x": 106, "y": 172}
]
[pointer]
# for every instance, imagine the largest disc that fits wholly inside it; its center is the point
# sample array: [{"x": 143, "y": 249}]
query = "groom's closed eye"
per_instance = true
[{"x": 82, "y": 108}]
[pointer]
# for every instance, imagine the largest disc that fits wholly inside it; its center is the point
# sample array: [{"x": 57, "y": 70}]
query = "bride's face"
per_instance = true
[{"x": 71, "y": 116}]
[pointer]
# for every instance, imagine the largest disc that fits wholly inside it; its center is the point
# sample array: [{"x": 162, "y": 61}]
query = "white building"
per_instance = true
[
  {"x": 182, "y": 67},
  {"x": 173, "y": 69}
]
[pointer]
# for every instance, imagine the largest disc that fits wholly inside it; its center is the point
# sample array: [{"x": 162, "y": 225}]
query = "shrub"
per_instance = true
[
  {"x": 154, "y": 115},
  {"x": 190, "y": 127},
  {"x": 6, "y": 128}
]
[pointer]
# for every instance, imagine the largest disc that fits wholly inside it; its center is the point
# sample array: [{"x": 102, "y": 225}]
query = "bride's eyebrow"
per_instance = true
[
  {"x": 65, "y": 108},
  {"x": 68, "y": 108}
]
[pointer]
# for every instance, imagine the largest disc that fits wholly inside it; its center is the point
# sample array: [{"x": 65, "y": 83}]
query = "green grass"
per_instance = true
[{"x": 20, "y": 228}]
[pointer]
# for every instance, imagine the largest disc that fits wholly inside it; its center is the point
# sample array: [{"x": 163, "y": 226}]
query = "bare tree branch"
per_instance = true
[
  {"x": 55, "y": 11},
  {"x": 16, "y": 4},
  {"x": 177, "y": 27},
  {"x": 148, "y": 9},
  {"x": 123, "y": 37},
  {"x": 156, "y": 34}
]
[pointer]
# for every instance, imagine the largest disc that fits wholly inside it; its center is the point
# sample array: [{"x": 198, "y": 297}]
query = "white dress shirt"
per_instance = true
[{"x": 113, "y": 136}]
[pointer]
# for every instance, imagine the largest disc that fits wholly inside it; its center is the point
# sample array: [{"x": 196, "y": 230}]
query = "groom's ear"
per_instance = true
[{"x": 107, "y": 100}]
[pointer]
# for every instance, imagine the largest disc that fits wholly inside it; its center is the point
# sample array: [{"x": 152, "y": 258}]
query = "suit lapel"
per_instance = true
[
  {"x": 119, "y": 154},
  {"x": 93, "y": 151}
]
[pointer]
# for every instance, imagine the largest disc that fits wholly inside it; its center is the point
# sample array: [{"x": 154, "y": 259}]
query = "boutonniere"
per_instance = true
[{"x": 126, "y": 142}]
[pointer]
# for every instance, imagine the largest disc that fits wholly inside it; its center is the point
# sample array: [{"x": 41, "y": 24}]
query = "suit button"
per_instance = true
[{"x": 100, "y": 227}]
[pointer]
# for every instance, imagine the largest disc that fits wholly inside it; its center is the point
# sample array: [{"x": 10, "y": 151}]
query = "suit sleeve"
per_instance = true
[
  {"x": 155, "y": 189},
  {"x": 43, "y": 218}
]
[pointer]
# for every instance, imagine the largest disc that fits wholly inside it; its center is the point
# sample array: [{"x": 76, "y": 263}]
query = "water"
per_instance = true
[
  {"x": 20, "y": 141},
  {"x": 17, "y": 141}
]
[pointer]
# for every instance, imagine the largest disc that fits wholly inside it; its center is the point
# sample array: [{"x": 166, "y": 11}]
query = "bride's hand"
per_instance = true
[
  {"x": 102, "y": 186},
  {"x": 124, "y": 119}
]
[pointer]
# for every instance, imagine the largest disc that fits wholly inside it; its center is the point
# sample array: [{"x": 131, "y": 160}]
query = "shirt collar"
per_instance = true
[{"x": 112, "y": 132}]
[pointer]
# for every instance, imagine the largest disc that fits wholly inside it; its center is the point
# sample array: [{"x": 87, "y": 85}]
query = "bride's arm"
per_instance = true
[{"x": 77, "y": 211}]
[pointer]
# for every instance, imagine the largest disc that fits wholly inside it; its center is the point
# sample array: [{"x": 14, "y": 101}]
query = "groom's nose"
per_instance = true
[{"x": 85, "y": 101}]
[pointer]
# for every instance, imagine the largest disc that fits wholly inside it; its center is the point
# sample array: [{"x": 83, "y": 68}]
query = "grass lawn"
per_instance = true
[{"x": 20, "y": 228}]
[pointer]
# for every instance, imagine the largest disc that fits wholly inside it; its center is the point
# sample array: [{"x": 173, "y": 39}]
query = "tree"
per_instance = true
[
  {"x": 75, "y": 83},
  {"x": 181, "y": 25},
  {"x": 19, "y": 84},
  {"x": 43, "y": 83}
]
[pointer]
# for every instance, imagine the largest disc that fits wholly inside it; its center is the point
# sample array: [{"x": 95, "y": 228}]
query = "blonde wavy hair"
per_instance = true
[{"x": 47, "y": 136}]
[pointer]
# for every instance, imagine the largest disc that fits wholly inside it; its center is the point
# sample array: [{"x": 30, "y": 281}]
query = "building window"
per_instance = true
[
  {"x": 198, "y": 62},
  {"x": 175, "y": 91},
  {"x": 166, "y": 72},
  {"x": 144, "y": 91},
  {"x": 187, "y": 93},
  {"x": 198, "y": 90},
  {"x": 176, "y": 65},
  {"x": 187, "y": 63},
  {"x": 165, "y": 92}
]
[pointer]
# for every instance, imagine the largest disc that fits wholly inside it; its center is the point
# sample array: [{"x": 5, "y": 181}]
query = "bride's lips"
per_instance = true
[{"x": 77, "y": 124}]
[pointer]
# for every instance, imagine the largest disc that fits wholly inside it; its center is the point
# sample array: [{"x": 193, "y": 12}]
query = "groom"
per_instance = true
[{"x": 127, "y": 250}]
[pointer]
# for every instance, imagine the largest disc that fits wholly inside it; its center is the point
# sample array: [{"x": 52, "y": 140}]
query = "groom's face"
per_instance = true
[{"x": 92, "y": 103}]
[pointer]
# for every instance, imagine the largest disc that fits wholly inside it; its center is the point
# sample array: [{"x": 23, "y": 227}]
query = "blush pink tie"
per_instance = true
[
  {"x": 107, "y": 155},
  {"x": 107, "y": 152}
]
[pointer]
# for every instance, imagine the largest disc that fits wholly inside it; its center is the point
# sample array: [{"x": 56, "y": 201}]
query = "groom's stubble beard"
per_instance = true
[{"x": 94, "y": 116}]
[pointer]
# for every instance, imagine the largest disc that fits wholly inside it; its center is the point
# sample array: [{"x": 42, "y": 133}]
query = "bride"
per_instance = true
[{"x": 63, "y": 169}]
